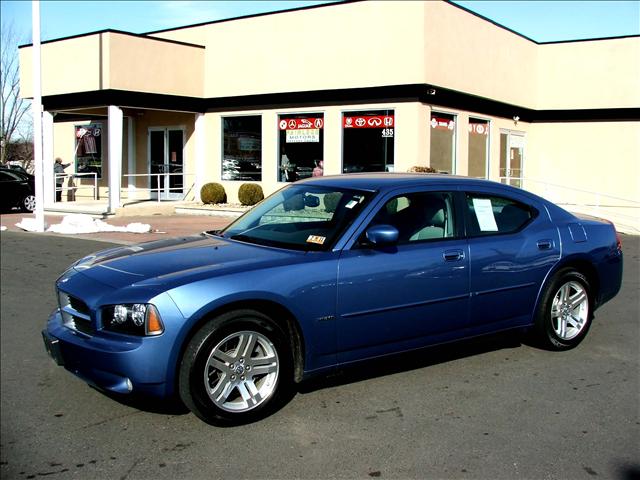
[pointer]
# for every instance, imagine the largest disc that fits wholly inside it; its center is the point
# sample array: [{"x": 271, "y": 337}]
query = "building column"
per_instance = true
[
  {"x": 200, "y": 154},
  {"x": 47, "y": 158},
  {"x": 131, "y": 156},
  {"x": 115, "y": 156}
]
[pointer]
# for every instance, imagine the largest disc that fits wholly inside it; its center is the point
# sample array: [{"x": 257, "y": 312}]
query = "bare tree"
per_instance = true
[{"x": 16, "y": 126}]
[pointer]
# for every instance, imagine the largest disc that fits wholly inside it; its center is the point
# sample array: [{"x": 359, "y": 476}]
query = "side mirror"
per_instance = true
[{"x": 381, "y": 235}]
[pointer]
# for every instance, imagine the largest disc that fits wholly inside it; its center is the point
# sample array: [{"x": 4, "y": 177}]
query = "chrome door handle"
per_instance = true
[
  {"x": 453, "y": 255},
  {"x": 545, "y": 244}
]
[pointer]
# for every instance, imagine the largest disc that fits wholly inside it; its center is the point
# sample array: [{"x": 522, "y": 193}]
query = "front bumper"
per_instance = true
[{"x": 115, "y": 363}]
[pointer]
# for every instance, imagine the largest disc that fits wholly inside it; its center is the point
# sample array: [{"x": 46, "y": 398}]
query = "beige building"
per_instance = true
[{"x": 339, "y": 88}]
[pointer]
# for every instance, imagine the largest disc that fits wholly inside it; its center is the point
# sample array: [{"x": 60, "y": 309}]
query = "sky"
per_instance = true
[{"x": 540, "y": 20}]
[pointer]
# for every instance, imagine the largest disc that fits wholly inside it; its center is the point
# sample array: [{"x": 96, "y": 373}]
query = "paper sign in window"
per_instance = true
[{"x": 484, "y": 214}]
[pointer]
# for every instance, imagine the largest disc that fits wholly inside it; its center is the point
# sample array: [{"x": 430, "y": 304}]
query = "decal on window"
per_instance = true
[{"x": 317, "y": 239}]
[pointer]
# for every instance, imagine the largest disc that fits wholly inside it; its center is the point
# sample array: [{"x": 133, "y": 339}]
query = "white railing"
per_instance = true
[
  {"x": 73, "y": 187},
  {"x": 623, "y": 212},
  {"x": 165, "y": 189}
]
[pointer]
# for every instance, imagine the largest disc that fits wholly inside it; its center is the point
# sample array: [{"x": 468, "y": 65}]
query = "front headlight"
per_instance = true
[{"x": 132, "y": 318}]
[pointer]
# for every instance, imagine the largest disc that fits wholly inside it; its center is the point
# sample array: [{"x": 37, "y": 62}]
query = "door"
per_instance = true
[
  {"x": 166, "y": 162},
  {"x": 404, "y": 295},
  {"x": 511, "y": 157},
  {"x": 513, "y": 246}
]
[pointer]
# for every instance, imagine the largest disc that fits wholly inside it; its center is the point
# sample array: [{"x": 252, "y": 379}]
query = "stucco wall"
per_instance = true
[
  {"x": 145, "y": 65},
  {"x": 343, "y": 46},
  {"x": 115, "y": 61},
  {"x": 593, "y": 74},
  {"x": 466, "y": 53},
  {"x": 72, "y": 65},
  {"x": 594, "y": 164}
]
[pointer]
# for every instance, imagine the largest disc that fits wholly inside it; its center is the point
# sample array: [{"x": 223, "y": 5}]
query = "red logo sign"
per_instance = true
[
  {"x": 368, "y": 121},
  {"x": 301, "y": 123},
  {"x": 442, "y": 123},
  {"x": 479, "y": 128}
]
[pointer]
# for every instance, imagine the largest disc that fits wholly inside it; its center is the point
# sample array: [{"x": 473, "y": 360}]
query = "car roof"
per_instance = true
[
  {"x": 15, "y": 171},
  {"x": 385, "y": 181}
]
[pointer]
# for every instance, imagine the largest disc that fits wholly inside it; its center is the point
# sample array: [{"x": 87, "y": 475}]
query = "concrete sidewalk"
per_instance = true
[{"x": 162, "y": 226}]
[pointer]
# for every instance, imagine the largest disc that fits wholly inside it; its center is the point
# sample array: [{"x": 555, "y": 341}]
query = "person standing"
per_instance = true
[{"x": 58, "y": 168}]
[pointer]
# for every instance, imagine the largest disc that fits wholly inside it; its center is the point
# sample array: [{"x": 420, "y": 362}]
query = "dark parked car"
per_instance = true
[
  {"x": 327, "y": 272},
  {"x": 17, "y": 189}
]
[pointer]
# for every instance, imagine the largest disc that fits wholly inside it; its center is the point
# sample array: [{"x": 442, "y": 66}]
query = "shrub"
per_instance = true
[
  {"x": 421, "y": 169},
  {"x": 213, "y": 193},
  {"x": 250, "y": 193}
]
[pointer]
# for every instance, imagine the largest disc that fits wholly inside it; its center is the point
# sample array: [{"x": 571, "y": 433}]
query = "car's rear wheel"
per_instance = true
[
  {"x": 236, "y": 369},
  {"x": 565, "y": 311},
  {"x": 28, "y": 203}
]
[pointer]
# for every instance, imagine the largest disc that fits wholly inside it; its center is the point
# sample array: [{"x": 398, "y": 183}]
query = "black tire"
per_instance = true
[
  {"x": 547, "y": 330},
  {"x": 231, "y": 378},
  {"x": 28, "y": 203}
]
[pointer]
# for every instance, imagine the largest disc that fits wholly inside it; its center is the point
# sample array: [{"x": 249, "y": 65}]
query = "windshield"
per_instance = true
[{"x": 300, "y": 217}]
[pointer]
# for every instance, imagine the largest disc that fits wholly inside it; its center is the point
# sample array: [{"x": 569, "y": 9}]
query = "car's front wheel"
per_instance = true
[
  {"x": 565, "y": 311},
  {"x": 28, "y": 203},
  {"x": 236, "y": 369}
]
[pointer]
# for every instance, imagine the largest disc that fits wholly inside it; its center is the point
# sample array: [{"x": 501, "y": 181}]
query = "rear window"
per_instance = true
[{"x": 491, "y": 215}]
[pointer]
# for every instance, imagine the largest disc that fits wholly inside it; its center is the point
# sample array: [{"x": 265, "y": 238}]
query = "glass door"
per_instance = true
[
  {"x": 511, "y": 157},
  {"x": 166, "y": 162}
]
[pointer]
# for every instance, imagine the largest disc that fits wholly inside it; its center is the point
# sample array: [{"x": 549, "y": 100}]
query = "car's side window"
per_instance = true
[
  {"x": 419, "y": 216},
  {"x": 490, "y": 215}
]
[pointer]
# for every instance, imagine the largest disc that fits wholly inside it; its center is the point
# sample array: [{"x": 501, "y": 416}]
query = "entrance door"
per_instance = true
[
  {"x": 511, "y": 157},
  {"x": 166, "y": 162}
]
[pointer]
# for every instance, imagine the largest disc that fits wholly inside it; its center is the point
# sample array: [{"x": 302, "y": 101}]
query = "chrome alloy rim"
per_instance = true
[
  {"x": 241, "y": 371},
  {"x": 30, "y": 203},
  {"x": 570, "y": 310}
]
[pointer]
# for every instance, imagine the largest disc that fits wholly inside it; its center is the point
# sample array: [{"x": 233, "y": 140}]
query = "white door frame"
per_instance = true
[
  {"x": 165, "y": 194},
  {"x": 520, "y": 143}
]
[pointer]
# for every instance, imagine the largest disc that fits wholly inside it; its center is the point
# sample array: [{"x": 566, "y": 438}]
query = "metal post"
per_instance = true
[
  {"x": 115, "y": 156},
  {"x": 37, "y": 117}
]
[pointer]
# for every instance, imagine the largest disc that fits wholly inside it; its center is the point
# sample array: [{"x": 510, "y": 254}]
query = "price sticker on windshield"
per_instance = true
[{"x": 317, "y": 239}]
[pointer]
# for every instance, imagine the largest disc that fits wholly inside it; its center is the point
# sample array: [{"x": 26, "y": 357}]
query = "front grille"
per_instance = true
[{"x": 75, "y": 313}]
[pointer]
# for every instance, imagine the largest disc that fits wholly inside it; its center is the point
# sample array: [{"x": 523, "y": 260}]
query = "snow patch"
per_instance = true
[
  {"x": 30, "y": 225},
  {"x": 80, "y": 224}
]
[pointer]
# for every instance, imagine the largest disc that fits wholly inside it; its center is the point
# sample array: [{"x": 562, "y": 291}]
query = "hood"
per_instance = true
[{"x": 178, "y": 260}]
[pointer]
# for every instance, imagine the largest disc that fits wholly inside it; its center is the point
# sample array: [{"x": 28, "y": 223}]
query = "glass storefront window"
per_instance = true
[
  {"x": 443, "y": 141},
  {"x": 478, "y": 147},
  {"x": 367, "y": 143},
  {"x": 88, "y": 154},
  {"x": 301, "y": 141},
  {"x": 242, "y": 151}
]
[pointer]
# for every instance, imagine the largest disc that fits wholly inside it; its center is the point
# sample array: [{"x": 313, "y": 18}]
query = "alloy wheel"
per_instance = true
[
  {"x": 241, "y": 371},
  {"x": 569, "y": 310}
]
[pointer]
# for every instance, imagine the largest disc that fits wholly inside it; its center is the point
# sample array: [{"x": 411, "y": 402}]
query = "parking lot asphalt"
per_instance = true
[{"x": 493, "y": 408}]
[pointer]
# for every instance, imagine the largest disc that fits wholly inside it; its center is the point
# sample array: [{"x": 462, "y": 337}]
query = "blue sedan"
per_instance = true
[{"x": 324, "y": 273}]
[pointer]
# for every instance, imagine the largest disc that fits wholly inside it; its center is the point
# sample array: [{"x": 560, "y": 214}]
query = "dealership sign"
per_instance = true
[
  {"x": 479, "y": 128},
  {"x": 442, "y": 123},
  {"x": 302, "y": 130},
  {"x": 369, "y": 121},
  {"x": 301, "y": 123},
  {"x": 303, "y": 135}
]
